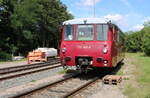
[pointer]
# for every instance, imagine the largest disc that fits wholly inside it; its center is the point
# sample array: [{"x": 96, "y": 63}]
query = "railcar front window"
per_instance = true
[
  {"x": 85, "y": 32},
  {"x": 102, "y": 32},
  {"x": 69, "y": 32}
]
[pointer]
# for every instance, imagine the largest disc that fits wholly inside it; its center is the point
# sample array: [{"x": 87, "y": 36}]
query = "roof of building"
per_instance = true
[{"x": 87, "y": 21}]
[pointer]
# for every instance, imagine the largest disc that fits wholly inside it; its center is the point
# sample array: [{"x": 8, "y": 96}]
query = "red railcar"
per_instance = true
[{"x": 91, "y": 42}]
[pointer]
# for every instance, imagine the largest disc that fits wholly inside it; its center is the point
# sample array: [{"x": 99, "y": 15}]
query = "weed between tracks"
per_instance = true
[
  {"x": 141, "y": 87},
  {"x": 33, "y": 81},
  {"x": 67, "y": 71},
  {"x": 120, "y": 72}
]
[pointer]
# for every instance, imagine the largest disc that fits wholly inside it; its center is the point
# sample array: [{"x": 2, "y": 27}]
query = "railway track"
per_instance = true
[
  {"x": 11, "y": 72},
  {"x": 68, "y": 87},
  {"x": 64, "y": 88},
  {"x": 26, "y": 67},
  {"x": 81, "y": 88}
]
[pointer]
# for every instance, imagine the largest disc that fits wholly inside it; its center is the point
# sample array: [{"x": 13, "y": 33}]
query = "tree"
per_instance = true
[
  {"x": 146, "y": 40},
  {"x": 24, "y": 22},
  {"x": 6, "y": 32},
  {"x": 28, "y": 24},
  {"x": 139, "y": 41},
  {"x": 134, "y": 41},
  {"x": 51, "y": 18}
]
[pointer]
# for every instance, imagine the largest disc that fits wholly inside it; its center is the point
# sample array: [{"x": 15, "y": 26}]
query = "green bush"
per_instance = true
[
  {"x": 4, "y": 56},
  {"x": 139, "y": 41},
  {"x": 146, "y": 43},
  {"x": 133, "y": 41}
]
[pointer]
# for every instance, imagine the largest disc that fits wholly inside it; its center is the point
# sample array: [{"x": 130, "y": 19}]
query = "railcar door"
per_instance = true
[{"x": 114, "y": 46}]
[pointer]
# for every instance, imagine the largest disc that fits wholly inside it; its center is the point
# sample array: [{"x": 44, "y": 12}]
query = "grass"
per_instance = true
[
  {"x": 142, "y": 74},
  {"x": 33, "y": 81},
  {"x": 120, "y": 72},
  {"x": 67, "y": 71},
  {"x": 134, "y": 92},
  {"x": 1, "y": 62}
]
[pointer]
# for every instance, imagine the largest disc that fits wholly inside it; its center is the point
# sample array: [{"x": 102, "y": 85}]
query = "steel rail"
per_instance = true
[
  {"x": 25, "y": 67},
  {"x": 79, "y": 89},
  {"x": 70, "y": 94},
  {"x": 48, "y": 85},
  {"x": 26, "y": 73},
  {"x": 28, "y": 64}
]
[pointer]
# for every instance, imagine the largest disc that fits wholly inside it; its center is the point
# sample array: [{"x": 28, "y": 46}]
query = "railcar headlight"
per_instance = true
[
  {"x": 64, "y": 50},
  {"x": 105, "y": 50},
  {"x": 105, "y": 61}
]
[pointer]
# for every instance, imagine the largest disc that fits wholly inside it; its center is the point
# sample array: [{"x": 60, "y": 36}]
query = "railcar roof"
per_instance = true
[{"x": 87, "y": 20}]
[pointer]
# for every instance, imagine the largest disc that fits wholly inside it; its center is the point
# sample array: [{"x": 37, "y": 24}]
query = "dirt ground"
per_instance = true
[{"x": 116, "y": 91}]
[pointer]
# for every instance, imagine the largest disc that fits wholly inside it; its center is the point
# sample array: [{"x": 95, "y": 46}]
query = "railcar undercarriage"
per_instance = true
[{"x": 83, "y": 64}]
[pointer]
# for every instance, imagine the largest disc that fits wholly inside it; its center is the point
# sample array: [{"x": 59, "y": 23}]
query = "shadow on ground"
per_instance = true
[{"x": 97, "y": 72}]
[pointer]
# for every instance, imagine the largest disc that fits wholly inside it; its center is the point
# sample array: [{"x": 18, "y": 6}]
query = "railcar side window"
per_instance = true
[
  {"x": 118, "y": 35},
  {"x": 85, "y": 32},
  {"x": 68, "y": 32},
  {"x": 102, "y": 32}
]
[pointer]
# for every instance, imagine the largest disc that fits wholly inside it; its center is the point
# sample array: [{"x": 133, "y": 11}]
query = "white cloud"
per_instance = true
[
  {"x": 137, "y": 27},
  {"x": 70, "y": 12},
  {"x": 89, "y": 2},
  {"x": 146, "y": 19},
  {"x": 118, "y": 19}
]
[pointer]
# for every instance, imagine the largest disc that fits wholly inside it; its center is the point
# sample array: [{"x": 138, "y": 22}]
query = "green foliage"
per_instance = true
[
  {"x": 134, "y": 41},
  {"x": 139, "y": 41},
  {"x": 28, "y": 24},
  {"x": 4, "y": 56},
  {"x": 146, "y": 41},
  {"x": 67, "y": 71},
  {"x": 6, "y": 33}
]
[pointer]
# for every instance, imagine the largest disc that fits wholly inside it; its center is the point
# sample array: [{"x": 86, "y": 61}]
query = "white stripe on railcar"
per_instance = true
[{"x": 88, "y": 21}]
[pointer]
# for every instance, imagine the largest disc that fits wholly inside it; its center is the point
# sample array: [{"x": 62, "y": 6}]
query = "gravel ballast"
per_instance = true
[
  {"x": 28, "y": 78},
  {"x": 26, "y": 88}
]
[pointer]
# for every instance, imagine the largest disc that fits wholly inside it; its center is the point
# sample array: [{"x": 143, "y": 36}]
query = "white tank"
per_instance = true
[{"x": 49, "y": 52}]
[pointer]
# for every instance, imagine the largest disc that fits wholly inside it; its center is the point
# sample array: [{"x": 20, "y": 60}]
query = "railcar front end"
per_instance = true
[{"x": 87, "y": 45}]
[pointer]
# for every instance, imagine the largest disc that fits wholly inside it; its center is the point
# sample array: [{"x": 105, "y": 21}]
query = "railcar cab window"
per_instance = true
[
  {"x": 85, "y": 32},
  {"x": 102, "y": 32},
  {"x": 68, "y": 32}
]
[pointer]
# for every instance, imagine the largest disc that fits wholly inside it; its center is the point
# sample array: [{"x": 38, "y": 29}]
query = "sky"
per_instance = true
[{"x": 130, "y": 15}]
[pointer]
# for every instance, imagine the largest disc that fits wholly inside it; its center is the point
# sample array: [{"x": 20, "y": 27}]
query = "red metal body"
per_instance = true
[{"x": 94, "y": 49}]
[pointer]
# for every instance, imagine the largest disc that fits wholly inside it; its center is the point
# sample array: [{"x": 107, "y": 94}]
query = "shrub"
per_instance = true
[
  {"x": 133, "y": 42},
  {"x": 4, "y": 56},
  {"x": 146, "y": 43}
]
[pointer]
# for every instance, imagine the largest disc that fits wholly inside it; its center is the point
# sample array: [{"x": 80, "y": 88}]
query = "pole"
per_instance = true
[{"x": 94, "y": 7}]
